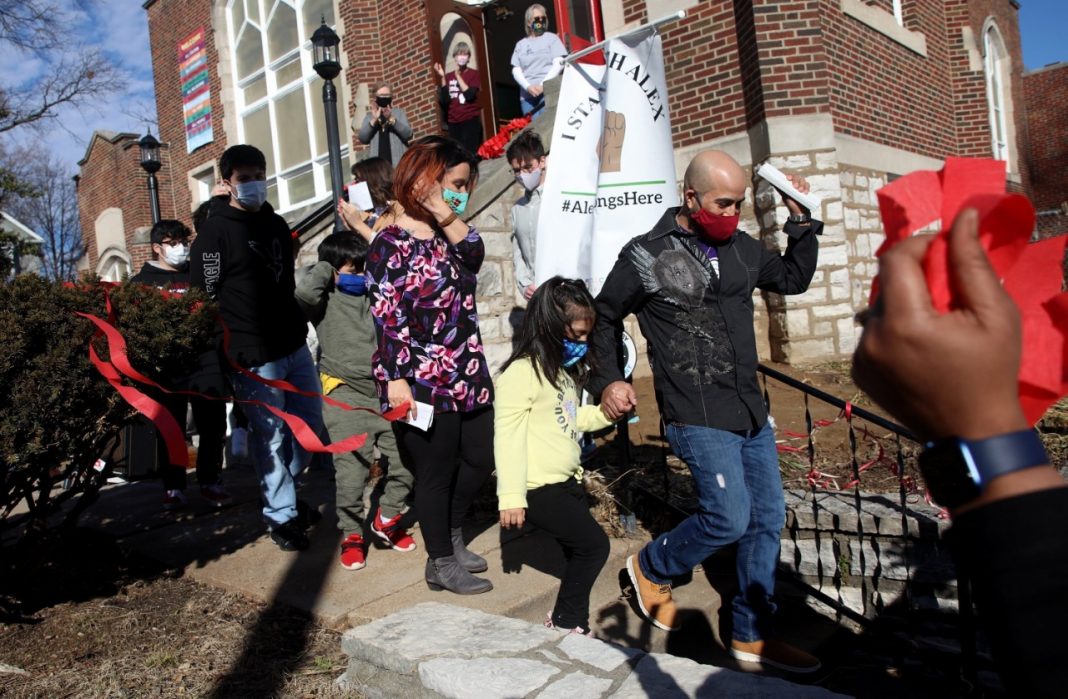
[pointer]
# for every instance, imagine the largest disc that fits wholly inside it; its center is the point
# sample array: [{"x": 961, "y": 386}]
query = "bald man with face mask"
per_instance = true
[{"x": 690, "y": 281}]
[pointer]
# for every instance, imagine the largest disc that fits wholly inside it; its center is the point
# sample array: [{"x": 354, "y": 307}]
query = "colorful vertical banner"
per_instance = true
[
  {"x": 196, "y": 93},
  {"x": 612, "y": 136}
]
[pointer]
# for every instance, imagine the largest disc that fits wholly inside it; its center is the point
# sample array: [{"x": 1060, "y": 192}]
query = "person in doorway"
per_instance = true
[
  {"x": 690, "y": 281},
  {"x": 169, "y": 267},
  {"x": 537, "y": 57},
  {"x": 385, "y": 127},
  {"x": 243, "y": 258},
  {"x": 423, "y": 271},
  {"x": 458, "y": 97},
  {"x": 536, "y": 441},
  {"x": 526, "y": 155}
]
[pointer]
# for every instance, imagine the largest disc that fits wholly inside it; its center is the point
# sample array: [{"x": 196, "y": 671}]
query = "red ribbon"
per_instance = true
[
  {"x": 1031, "y": 273},
  {"x": 168, "y": 427}
]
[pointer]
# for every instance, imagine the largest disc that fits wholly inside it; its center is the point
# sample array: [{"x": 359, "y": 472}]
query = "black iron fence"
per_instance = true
[{"x": 862, "y": 537}]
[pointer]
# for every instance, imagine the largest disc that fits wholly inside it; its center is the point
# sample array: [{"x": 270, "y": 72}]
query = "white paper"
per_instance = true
[
  {"x": 778, "y": 180},
  {"x": 360, "y": 196},
  {"x": 424, "y": 416}
]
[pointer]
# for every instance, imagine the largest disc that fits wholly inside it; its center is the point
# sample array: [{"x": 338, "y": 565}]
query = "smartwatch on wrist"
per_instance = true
[{"x": 958, "y": 470}]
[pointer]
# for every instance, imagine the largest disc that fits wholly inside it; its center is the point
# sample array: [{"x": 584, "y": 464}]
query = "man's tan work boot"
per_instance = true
[
  {"x": 776, "y": 654},
  {"x": 654, "y": 599}
]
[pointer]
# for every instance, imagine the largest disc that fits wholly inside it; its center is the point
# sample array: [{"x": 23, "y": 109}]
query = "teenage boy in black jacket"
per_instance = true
[
  {"x": 243, "y": 258},
  {"x": 690, "y": 281},
  {"x": 169, "y": 267}
]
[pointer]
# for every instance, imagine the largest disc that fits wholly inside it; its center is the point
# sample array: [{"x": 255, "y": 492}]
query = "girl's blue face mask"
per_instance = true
[
  {"x": 574, "y": 351},
  {"x": 352, "y": 284},
  {"x": 457, "y": 201}
]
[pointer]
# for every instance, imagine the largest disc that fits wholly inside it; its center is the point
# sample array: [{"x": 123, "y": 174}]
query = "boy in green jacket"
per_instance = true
[{"x": 333, "y": 293}]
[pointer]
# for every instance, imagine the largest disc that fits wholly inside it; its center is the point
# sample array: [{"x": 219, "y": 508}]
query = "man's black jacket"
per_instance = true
[{"x": 698, "y": 324}]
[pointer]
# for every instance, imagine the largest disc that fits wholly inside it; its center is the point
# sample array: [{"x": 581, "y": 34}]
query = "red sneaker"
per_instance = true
[
  {"x": 353, "y": 552},
  {"x": 392, "y": 533}
]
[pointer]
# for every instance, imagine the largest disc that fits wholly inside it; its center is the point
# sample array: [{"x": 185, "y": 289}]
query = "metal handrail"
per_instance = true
[
  {"x": 837, "y": 402},
  {"x": 314, "y": 218}
]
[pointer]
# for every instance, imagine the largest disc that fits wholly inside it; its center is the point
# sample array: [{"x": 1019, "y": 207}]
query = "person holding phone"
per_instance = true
[
  {"x": 370, "y": 206},
  {"x": 385, "y": 127}
]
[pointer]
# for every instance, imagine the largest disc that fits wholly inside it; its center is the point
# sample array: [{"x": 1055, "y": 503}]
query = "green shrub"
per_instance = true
[{"x": 57, "y": 413}]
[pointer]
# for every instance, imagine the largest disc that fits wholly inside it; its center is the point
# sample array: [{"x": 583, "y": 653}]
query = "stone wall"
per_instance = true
[
  {"x": 866, "y": 562},
  {"x": 860, "y": 210},
  {"x": 818, "y": 324}
]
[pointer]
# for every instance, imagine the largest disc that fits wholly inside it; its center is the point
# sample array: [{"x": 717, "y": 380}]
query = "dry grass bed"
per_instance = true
[{"x": 158, "y": 637}]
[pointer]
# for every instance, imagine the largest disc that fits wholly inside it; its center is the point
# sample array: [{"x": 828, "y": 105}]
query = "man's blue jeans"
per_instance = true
[
  {"x": 740, "y": 500},
  {"x": 278, "y": 457}
]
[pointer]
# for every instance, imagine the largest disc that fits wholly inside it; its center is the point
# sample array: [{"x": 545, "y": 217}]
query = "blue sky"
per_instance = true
[
  {"x": 120, "y": 28},
  {"x": 1042, "y": 26}
]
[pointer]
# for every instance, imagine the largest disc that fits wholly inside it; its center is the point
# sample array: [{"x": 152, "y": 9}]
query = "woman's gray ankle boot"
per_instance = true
[
  {"x": 470, "y": 560},
  {"x": 447, "y": 574}
]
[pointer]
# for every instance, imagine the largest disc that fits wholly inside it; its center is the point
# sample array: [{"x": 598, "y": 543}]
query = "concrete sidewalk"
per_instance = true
[{"x": 229, "y": 549}]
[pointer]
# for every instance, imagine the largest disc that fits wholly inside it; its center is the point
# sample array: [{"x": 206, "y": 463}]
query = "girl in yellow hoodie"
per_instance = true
[{"x": 537, "y": 425}]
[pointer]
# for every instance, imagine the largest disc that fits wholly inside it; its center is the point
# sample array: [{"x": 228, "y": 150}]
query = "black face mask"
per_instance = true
[{"x": 383, "y": 101}]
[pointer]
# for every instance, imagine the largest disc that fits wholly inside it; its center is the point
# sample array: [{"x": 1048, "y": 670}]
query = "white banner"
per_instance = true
[{"x": 611, "y": 173}]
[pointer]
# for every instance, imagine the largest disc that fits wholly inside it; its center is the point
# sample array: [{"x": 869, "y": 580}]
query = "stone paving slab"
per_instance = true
[{"x": 470, "y": 653}]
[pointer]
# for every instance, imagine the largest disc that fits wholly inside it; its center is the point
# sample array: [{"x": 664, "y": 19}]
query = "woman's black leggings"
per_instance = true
[{"x": 450, "y": 462}]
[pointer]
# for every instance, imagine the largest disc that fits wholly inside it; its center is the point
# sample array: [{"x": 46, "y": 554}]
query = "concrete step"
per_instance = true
[{"x": 471, "y": 653}]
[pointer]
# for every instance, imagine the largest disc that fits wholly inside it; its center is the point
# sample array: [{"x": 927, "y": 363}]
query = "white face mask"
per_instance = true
[
  {"x": 176, "y": 255},
  {"x": 530, "y": 180},
  {"x": 462, "y": 60},
  {"x": 251, "y": 195}
]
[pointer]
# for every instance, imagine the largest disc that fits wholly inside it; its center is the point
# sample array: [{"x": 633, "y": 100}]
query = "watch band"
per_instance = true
[
  {"x": 957, "y": 471},
  {"x": 1005, "y": 453},
  {"x": 799, "y": 218}
]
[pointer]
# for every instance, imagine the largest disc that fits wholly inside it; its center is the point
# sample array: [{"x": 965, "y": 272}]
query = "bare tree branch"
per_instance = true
[
  {"x": 52, "y": 212},
  {"x": 74, "y": 80},
  {"x": 28, "y": 24}
]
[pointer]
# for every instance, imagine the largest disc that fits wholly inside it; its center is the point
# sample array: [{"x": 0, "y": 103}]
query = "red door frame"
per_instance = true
[{"x": 573, "y": 41}]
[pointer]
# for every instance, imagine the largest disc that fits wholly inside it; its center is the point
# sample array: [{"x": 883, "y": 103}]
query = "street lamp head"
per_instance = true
[
  {"x": 150, "y": 153},
  {"x": 325, "y": 44}
]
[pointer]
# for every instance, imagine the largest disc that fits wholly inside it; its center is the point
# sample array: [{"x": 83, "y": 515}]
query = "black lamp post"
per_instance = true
[
  {"x": 325, "y": 44},
  {"x": 151, "y": 163}
]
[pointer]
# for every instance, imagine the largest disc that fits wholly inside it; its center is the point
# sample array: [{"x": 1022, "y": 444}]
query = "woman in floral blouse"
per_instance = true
[{"x": 422, "y": 272}]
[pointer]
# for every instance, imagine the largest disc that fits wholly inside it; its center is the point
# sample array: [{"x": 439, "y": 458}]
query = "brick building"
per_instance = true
[
  {"x": 1046, "y": 95},
  {"x": 113, "y": 204},
  {"x": 850, "y": 93}
]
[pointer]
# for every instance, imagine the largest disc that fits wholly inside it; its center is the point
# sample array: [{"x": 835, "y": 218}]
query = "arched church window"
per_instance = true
[
  {"x": 279, "y": 96},
  {"x": 997, "y": 71}
]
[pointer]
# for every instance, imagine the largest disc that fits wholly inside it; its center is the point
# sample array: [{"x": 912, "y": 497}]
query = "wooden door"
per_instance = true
[{"x": 449, "y": 23}]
